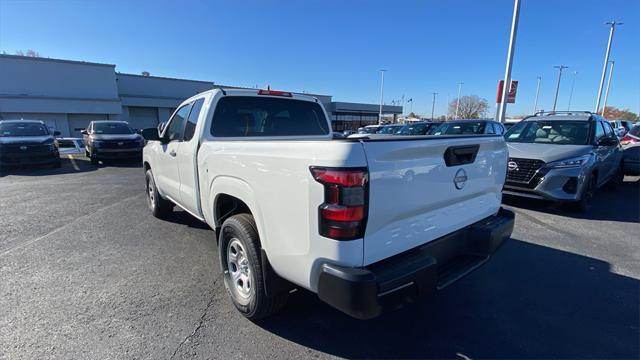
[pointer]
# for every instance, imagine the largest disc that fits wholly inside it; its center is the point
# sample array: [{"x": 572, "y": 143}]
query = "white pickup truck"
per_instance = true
[{"x": 367, "y": 224}]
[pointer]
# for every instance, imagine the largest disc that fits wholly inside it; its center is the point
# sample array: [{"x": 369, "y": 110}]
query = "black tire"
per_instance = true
[
  {"x": 94, "y": 160},
  {"x": 243, "y": 276},
  {"x": 586, "y": 197},
  {"x": 57, "y": 164},
  {"x": 617, "y": 179},
  {"x": 159, "y": 207}
]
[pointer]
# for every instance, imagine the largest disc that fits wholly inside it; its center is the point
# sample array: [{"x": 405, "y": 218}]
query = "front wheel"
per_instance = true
[
  {"x": 617, "y": 179},
  {"x": 239, "y": 251},
  {"x": 586, "y": 198}
]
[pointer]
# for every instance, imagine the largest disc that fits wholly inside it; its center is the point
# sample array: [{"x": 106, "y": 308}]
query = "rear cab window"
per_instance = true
[{"x": 251, "y": 116}]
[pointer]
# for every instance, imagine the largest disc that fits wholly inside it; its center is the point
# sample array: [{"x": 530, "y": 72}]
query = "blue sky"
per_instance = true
[{"x": 337, "y": 47}]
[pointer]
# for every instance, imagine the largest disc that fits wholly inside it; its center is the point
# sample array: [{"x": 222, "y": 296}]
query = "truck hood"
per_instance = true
[
  {"x": 546, "y": 152},
  {"x": 26, "y": 139},
  {"x": 116, "y": 136}
]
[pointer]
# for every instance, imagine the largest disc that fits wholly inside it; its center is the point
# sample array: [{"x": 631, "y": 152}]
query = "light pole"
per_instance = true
[
  {"x": 606, "y": 94},
  {"x": 606, "y": 61},
  {"x": 502, "y": 108},
  {"x": 555, "y": 99},
  {"x": 535, "y": 102},
  {"x": 382, "y": 71},
  {"x": 433, "y": 104},
  {"x": 458, "y": 99},
  {"x": 573, "y": 85}
]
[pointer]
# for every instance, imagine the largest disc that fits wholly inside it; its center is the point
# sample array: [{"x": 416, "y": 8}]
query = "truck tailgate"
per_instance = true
[{"x": 415, "y": 196}]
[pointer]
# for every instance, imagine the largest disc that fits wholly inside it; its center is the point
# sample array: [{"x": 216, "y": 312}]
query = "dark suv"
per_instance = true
[
  {"x": 110, "y": 139},
  {"x": 27, "y": 142}
]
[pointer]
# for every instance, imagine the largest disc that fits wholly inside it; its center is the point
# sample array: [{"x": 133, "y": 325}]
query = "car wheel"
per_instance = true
[
  {"x": 617, "y": 179},
  {"x": 239, "y": 251},
  {"x": 586, "y": 198},
  {"x": 159, "y": 207},
  {"x": 57, "y": 164}
]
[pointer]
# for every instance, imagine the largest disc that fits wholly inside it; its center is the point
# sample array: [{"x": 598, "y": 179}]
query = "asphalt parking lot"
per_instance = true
[{"x": 87, "y": 272}]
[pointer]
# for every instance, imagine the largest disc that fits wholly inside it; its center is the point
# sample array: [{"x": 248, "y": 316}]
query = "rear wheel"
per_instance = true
[
  {"x": 239, "y": 251},
  {"x": 159, "y": 207}
]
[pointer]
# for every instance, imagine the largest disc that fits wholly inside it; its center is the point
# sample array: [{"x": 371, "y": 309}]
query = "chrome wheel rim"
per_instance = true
[
  {"x": 239, "y": 268},
  {"x": 150, "y": 194}
]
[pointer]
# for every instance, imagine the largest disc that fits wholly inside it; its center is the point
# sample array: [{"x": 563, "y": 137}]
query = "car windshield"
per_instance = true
[
  {"x": 414, "y": 129},
  {"x": 458, "y": 128},
  {"x": 23, "y": 129},
  {"x": 550, "y": 132},
  {"x": 389, "y": 129},
  {"x": 111, "y": 128}
]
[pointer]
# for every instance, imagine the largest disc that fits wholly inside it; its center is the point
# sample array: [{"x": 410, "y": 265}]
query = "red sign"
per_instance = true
[{"x": 511, "y": 96}]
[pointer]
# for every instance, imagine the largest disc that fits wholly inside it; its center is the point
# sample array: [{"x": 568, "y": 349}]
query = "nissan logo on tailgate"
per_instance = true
[
  {"x": 23, "y": 147},
  {"x": 460, "y": 179},
  {"x": 512, "y": 165},
  {"x": 120, "y": 143}
]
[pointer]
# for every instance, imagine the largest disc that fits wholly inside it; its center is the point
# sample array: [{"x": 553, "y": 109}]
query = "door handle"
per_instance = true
[{"x": 172, "y": 153}]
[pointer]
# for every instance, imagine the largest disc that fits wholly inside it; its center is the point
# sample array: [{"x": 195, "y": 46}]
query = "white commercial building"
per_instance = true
[{"x": 67, "y": 95}]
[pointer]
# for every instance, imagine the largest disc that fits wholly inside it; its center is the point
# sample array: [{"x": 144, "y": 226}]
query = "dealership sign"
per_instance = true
[{"x": 511, "y": 96}]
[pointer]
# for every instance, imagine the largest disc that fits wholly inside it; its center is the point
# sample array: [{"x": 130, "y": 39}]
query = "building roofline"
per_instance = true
[
  {"x": 164, "y": 78},
  {"x": 55, "y": 60}
]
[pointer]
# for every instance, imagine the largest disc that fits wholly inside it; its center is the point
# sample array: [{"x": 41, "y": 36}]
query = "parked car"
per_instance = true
[
  {"x": 389, "y": 129},
  {"x": 70, "y": 146},
  {"x": 293, "y": 207},
  {"x": 369, "y": 129},
  {"x": 416, "y": 128},
  {"x": 468, "y": 127},
  {"x": 621, "y": 127},
  {"x": 563, "y": 157},
  {"x": 631, "y": 155},
  {"x": 110, "y": 139},
  {"x": 27, "y": 142}
]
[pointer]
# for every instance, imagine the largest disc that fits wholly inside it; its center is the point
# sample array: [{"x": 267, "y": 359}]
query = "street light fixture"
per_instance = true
[
  {"x": 573, "y": 85},
  {"x": 555, "y": 99},
  {"x": 502, "y": 108},
  {"x": 433, "y": 104},
  {"x": 458, "y": 99},
  {"x": 535, "y": 102},
  {"x": 606, "y": 61},
  {"x": 606, "y": 94},
  {"x": 382, "y": 71}
]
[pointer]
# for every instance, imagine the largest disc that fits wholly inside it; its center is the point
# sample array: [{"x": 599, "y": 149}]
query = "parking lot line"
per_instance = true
[
  {"x": 73, "y": 162},
  {"x": 81, "y": 218}
]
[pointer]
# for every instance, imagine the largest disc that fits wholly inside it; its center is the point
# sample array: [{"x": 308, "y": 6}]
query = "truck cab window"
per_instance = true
[
  {"x": 190, "y": 126},
  {"x": 176, "y": 124}
]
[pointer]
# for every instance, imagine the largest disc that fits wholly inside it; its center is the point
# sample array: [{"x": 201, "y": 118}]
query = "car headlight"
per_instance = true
[{"x": 569, "y": 163}]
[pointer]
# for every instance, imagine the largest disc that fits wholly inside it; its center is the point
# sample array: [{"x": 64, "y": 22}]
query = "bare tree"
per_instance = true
[
  {"x": 29, "y": 53},
  {"x": 470, "y": 107}
]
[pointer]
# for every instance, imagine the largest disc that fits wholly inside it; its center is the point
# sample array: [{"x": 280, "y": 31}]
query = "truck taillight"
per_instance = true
[
  {"x": 343, "y": 214},
  {"x": 275, "y": 93}
]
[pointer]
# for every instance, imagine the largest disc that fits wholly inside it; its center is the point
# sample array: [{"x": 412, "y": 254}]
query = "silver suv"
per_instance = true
[{"x": 562, "y": 156}]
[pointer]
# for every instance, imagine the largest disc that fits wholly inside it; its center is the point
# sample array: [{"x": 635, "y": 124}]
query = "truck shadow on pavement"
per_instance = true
[
  {"x": 621, "y": 204},
  {"x": 530, "y": 301}
]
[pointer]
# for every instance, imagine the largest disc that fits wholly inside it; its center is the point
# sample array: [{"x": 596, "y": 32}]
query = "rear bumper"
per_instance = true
[{"x": 365, "y": 293}]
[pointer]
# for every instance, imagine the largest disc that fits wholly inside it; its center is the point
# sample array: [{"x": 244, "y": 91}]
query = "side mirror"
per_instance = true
[
  {"x": 607, "y": 141},
  {"x": 161, "y": 127},
  {"x": 83, "y": 132},
  {"x": 150, "y": 134},
  {"x": 57, "y": 133}
]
